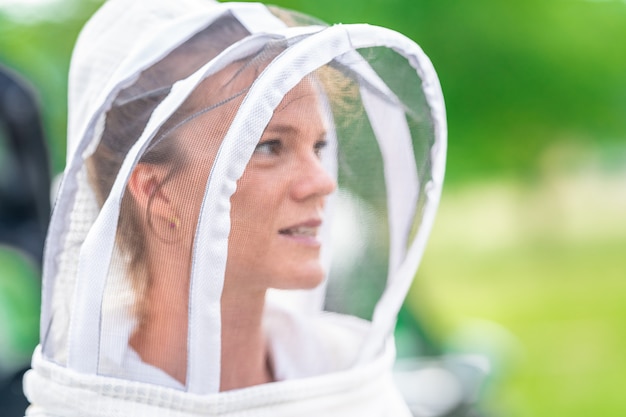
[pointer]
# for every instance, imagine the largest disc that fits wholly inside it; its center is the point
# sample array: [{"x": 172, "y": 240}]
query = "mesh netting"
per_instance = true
[{"x": 245, "y": 201}]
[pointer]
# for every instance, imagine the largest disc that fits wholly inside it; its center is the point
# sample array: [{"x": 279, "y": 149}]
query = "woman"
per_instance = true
[
  {"x": 243, "y": 185},
  {"x": 275, "y": 216}
]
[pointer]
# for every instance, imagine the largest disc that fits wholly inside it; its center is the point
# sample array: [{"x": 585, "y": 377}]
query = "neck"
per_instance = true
[
  {"x": 244, "y": 349},
  {"x": 160, "y": 338}
]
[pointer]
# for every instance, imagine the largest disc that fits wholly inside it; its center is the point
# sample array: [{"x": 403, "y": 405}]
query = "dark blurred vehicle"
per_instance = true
[{"x": 24, "y": 215}]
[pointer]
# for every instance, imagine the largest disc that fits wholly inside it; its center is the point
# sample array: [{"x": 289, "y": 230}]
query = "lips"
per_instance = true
[
  {"x": 300, "y": 231},
  {"x": 304, "y": 230}
]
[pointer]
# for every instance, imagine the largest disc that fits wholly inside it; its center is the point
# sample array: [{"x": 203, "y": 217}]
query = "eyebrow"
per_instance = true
[
  {"x": 282, "y": 128},
  {"x": 285, "y": 129}
]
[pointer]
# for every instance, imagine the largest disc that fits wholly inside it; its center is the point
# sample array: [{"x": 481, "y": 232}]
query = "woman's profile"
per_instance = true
[
  {"x": 246, "y": 199},
  {"x": 276, "y": 214}
]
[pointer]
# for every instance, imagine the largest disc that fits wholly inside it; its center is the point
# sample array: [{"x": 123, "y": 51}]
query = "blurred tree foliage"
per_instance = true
[{"x": 518, "y": 76}]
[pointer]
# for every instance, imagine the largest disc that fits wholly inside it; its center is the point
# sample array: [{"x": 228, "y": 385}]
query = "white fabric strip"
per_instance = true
[
  {"x": 387, "y": 308},
  {"x": 386, "y": 115},
  {"x": 97, "y": 249},
  {"x": 394, "y": 139},
  {"x": 80, "y": 137},
  {"x": 254, "y": 114}
]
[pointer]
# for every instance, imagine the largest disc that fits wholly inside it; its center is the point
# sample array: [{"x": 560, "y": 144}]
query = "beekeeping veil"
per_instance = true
[{"x": 216, "y": 151}]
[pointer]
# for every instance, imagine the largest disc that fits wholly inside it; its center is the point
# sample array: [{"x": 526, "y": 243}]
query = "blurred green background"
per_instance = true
[{"x": 526, "y": 259}]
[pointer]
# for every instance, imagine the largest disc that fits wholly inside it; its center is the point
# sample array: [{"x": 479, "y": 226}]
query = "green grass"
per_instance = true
[{"x": 546, "y": 305}]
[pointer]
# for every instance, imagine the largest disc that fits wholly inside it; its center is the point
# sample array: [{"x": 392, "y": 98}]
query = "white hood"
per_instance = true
[{"x": 233, "y": 168}]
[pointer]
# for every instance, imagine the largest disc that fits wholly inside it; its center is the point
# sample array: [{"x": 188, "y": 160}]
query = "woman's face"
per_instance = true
[{"x": 277, "y": 209}]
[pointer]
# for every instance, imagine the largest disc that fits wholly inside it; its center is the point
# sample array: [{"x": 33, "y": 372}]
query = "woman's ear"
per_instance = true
[{"x": 146, "y": 186}]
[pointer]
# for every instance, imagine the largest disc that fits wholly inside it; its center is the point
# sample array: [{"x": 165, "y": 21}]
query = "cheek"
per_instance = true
[
  {"x": 253, "y": 212},
  {"x": 247, "y": 245},
  {"x": 254, "y": 225},
  {"x": 256, "y": 201}
]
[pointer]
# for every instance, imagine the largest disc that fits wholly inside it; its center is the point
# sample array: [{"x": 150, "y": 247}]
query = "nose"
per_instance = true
[{"x": 311, "y": 180}]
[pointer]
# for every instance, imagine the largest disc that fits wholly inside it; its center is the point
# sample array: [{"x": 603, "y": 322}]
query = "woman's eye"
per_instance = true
[
  {"x": 268, "y": 147},
  {"x": 319, "y": 147}
]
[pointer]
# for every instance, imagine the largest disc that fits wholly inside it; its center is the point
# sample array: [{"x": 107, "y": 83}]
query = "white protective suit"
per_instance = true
[{"x": 224, "y": 157}]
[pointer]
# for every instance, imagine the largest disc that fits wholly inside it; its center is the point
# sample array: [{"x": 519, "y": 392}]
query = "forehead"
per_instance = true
[
  {"x": 213, "y": 105},
  {"x": 301, "y": 106},
  {"x": 305, "y": 93}
]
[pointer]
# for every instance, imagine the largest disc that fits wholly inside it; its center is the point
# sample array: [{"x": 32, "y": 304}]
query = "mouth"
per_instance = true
[
  {"x": 303, "y": 231},
  {"x": 306, "y": 232}
]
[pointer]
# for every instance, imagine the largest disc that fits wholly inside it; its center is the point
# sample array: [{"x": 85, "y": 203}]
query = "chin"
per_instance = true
[{"x": 302, "y": 278}]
